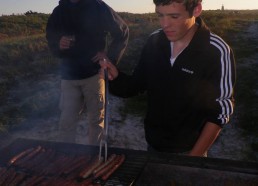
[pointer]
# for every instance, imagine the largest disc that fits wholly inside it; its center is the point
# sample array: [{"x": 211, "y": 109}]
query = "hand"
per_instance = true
[
  {"x": 99, "y": 56},
  {"x": 66, "y": 42},
  {"x": 112, "y": 70}
]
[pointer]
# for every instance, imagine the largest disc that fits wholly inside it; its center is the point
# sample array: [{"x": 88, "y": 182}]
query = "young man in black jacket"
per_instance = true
[
  {"x": 77, "y": 33},
  {"x": 188, "y": 73}
]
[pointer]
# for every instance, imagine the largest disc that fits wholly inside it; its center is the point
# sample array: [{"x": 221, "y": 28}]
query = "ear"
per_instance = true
[{"x": 197, "y": 10}]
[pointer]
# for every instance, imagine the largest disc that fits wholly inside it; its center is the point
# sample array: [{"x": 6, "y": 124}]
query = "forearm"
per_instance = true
[{"x": 208, "y": 135}]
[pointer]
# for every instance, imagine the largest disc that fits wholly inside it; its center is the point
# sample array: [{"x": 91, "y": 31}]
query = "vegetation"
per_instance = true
[{"x": 24, "y": 55}]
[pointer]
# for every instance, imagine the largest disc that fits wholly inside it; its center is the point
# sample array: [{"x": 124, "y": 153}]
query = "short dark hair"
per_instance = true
[{"x": 189, "y": 4}]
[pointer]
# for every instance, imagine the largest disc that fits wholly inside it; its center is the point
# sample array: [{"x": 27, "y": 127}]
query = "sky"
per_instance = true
[{"x": 8, "y": 7}]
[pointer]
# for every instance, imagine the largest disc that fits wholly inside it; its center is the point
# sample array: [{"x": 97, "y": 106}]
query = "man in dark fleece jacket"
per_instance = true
[
  {"x": 188, "y": 73},
  {"x": 77, "y": 33}
]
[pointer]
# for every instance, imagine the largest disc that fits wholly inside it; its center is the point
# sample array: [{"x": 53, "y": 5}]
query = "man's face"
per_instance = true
[{"x": 175, "y": 20}]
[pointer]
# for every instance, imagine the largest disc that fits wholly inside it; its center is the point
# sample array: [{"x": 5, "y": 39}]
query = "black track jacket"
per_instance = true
[
  {"x": 181, "y": 99},
  {"x": 90, "y": 21}
]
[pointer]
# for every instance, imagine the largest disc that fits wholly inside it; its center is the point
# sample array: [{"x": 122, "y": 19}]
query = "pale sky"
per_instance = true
[{"x": 133, "y": 6}]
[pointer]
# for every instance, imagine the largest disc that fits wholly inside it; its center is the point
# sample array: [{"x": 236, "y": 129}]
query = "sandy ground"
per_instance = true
[
  {"x": 123, "y": 132},
  {"x": 127, "y": 133}
]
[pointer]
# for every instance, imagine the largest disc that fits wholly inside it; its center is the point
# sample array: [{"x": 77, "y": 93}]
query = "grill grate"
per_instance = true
[
  {"x": 129, "y": 171},
  {"x": 123, "y": 176},
  {"x": 151, "y": 169}
]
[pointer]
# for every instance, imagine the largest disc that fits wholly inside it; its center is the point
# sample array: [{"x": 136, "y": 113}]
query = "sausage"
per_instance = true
[
  {"x": 9, "y": 175},
  {"x": 46, "y": 158},
  {"x": 3, "y": 170},
  {"x": 118, "y": 163},
  {"x": 34, "y": 180},
  {"x": 61, "y": 181},
  {"x": 29, "y": 156},
  {"x": 105, "y": 169},
  {"x": 109, "y": 160},
  {"x": 20, "y": 155},
  {"x": 50, "y": 161},
  {"x": 18, "y": 178},
  {"x": 36, "y": 160},
  {"x": 56, "y": 166},
  {"x": 77, "y": 163},
  {"x": 63, "y": 163},
  {"x": 86, "y": 182},
  {"x": 89, "y": 169}
]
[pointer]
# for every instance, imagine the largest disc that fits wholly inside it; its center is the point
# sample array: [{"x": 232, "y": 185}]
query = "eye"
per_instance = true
[
  {"x": 160, "y": 15},
  {"x": 173, "y": 16}
]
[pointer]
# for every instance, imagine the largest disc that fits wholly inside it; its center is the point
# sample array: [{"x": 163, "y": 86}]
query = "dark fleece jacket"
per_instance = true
[{"x": 90, "y": 21}]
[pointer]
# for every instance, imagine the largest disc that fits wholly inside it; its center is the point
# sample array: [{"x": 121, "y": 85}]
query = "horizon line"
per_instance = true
[{"x": 134, "y": 12}]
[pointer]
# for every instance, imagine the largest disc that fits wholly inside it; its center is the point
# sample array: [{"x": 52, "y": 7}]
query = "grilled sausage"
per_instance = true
[
  {"x": 20, "y": 155},
  {"x": 109, "y": 160},
  {"x": 44, "y": 159},
  {"x": 9, "y": 175},
  {"x": 77, "y": 164},
  {"x": 111, "y": 163},
  {"x": 36, "y": 160},
  {"x": 89, "y": 169},
  {"x": 29, "y": 156},
  {"x": 118, "y": 163},
  {"x": 18, "y": 178},
  {"x": 86, "y": 182},
  {"x": 2, "y": 173},
  {"x": 34, "y": 180}
]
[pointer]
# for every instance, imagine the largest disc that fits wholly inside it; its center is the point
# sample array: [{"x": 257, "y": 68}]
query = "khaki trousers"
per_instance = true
[{"x": 75, "y": 95}]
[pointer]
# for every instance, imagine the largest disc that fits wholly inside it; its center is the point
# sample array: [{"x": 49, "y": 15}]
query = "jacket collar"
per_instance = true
[{"x": 201, "y": 37}]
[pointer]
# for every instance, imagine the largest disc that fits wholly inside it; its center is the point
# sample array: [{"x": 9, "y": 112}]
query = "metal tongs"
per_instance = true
[{"x": 103, "y": 141}]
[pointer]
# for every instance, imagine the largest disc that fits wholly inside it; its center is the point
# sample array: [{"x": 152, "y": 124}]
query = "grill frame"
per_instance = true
[
  {"x": 168, "y": 169},
  {"x": 138, "y": 162},
  {"x": 125, "y": 175}
]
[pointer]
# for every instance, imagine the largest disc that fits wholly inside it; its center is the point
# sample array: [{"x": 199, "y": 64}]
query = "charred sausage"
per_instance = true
[
  {"x": 118, "y": 163},
  {"x": 20, "y": 155},
  {"x": 89, "y": 169}
]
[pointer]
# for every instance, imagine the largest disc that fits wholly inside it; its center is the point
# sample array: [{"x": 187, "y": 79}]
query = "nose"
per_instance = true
[{"x": 164, "y": 22}]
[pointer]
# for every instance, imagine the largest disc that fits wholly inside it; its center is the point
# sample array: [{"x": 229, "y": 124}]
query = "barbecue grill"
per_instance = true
[{"x": 142, "y": 168}]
